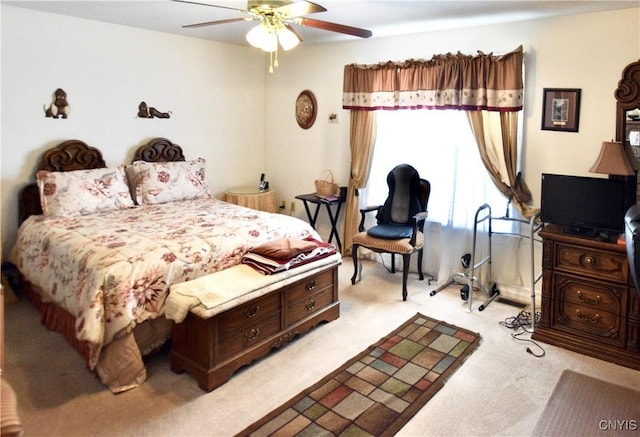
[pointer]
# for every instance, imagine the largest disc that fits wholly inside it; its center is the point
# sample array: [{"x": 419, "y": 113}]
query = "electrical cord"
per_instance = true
[{"x": 519, "y": 323}]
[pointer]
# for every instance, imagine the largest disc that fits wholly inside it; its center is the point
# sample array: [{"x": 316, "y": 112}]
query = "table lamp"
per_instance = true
[{"x": 612, "y": 160}]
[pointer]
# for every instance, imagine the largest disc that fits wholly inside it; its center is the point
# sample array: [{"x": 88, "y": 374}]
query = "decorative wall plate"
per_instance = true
[{"x": 306, "y": 109}]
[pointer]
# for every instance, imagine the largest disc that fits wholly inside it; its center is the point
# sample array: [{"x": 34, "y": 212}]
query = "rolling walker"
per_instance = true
[{"x": 471, "y": 266}]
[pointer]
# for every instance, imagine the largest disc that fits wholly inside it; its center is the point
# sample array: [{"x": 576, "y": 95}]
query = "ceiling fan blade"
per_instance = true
[
  {"x": 212, "y": 23},
  {"x": 208, "y": 4},
  {"x": 334, "y": 27},
  {"x": 296, "y": 9},
  {"x": 293, "y": 30}
]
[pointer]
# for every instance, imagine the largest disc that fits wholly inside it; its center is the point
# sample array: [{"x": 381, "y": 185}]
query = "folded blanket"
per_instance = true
[
  {"x": 285, "y": 248},
  {"x": 286, "y": 253}
]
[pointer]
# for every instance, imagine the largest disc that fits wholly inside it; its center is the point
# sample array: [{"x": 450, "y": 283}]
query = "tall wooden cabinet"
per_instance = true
[{"x": 589, "y": 302}]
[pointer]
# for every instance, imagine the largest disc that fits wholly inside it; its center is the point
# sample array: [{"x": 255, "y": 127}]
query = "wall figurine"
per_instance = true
[
  {"x": 59, "y": 107},
  {"x": 146, "y": 112}
]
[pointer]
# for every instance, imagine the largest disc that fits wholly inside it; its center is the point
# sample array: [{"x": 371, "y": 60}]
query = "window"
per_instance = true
[{"x": 440, "y": 145}]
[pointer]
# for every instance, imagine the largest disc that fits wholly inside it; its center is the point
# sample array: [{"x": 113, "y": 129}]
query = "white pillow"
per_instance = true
[
  {"x": 162, "y": 182},
  {"x": 81, "y": 192}
]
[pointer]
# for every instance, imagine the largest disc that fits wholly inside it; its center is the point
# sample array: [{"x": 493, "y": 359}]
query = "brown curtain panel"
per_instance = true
[
  {"x": 496, "y": 135},
  {"x": 362, "y": 141}
]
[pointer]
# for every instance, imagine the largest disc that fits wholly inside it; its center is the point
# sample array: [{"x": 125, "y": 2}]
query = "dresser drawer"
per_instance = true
[
  {"x": 600, "y": 326},
  {"x": 594, "y": 263},
  {"x": 248, "y": 314},
  {"x": 596, "y": 295},
  {"x": 249, "y": 335}
]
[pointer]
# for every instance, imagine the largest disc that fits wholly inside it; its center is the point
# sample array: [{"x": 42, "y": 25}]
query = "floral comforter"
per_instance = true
[{"x": 113, "y": 270}]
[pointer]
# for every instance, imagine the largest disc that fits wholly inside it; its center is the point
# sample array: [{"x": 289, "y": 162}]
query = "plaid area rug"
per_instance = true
[{"x": 378, "y": 391}]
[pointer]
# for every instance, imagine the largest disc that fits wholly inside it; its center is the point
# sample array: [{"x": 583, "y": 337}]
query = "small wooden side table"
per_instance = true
[
  {"x": 252, "y": 198},
  {"x": 312, "y": 198}
]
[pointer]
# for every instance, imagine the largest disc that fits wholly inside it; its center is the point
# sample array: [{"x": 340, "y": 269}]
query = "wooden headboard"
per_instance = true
[
  {"x": 159, "y": 150},
  {"x": 67, "y": 156},
  {"x": 77, "y": 155}
]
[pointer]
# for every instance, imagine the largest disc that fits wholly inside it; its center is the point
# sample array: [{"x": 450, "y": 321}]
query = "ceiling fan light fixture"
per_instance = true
[
  {"x": 287, "y": 38},
  {"x": 263, "y": 38}
]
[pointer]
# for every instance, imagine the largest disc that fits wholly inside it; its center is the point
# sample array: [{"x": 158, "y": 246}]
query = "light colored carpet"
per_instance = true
[
  {"x": 500, "y": 390},
  {"x": 583, "y": 405}
]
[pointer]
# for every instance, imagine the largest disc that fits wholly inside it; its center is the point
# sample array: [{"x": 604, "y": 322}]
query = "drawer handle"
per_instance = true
[
  {"x": 251, "y": 334},
  {"x": 587, "y": 300},
  {"x": 311, "y": 285},
  {"x": 589, "y": 261},
  {"x": 252, "y": 312},
  {"x": 310, "y": 305},
  {"x": 585, "y": 318}
]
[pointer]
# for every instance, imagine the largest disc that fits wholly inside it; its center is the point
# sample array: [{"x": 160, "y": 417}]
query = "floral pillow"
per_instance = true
[
  {"x": 82, "y": 192},
  {"x": 162, "y": 182}
]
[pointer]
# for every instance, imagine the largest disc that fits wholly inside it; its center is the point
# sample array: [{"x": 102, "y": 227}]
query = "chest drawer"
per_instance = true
[
  {"x": 310, "y": 303},
  {"x": 250, "y": 334},
  {"x": 309, "y": 286},
  {"x": 598, "y": 264},
  {"x": 248, "y": 314}
]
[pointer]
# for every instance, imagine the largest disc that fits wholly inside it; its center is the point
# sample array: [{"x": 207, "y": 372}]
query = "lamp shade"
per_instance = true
[{"x": 612, "y": 160}]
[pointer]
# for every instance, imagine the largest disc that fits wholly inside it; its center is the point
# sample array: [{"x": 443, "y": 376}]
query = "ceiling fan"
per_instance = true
[{"x": 276, "y": 18}]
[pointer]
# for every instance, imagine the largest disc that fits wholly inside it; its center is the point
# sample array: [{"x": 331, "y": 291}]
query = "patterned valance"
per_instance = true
[{"x": 482, "y": 82}]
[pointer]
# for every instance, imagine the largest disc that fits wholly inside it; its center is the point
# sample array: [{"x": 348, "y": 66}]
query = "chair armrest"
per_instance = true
[
  {"x": 418, "y": 224},
  {"x": 421, "y": 216},
  {"x": 370, "y": 208},
  {"x": 363, "y": 213}
]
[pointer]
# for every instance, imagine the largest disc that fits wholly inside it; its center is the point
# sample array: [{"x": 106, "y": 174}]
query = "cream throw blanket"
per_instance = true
[{"x": 212, "y": 294}]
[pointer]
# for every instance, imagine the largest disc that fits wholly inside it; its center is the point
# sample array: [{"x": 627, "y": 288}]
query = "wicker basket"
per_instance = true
[{"x": 325, "y": 186}]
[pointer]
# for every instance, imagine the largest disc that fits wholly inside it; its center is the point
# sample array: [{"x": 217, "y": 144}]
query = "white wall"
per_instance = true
[
  {"x": 215, "y": 92},
  {"x": 584, "y": 51},
  {"x": 222, "y": 112}
]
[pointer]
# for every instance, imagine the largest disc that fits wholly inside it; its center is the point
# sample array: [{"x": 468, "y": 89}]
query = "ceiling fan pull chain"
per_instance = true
[{"x": 275, "y": 62}]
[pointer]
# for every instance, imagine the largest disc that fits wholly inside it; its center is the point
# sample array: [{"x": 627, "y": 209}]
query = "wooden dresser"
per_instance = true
[{"x": 589, "y": 302}]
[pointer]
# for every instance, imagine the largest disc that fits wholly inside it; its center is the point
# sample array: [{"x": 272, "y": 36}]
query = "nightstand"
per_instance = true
[{"x": 252, "y": 198}]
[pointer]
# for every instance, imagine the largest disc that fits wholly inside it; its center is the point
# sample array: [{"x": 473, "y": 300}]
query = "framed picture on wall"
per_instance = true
[{"x": 561, "y": 109}]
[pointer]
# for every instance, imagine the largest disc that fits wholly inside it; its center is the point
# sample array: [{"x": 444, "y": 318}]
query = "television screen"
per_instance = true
[{"x": 583, "y": 204}]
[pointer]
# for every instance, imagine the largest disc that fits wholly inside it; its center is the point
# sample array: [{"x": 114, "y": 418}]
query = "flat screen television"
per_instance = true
[{"x": 586, "y": 205}]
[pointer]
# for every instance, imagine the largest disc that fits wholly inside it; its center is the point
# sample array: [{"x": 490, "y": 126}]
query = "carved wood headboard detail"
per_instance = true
[
  {"x": 159, "y": 150},
  {"x": 71, "y": 155}
]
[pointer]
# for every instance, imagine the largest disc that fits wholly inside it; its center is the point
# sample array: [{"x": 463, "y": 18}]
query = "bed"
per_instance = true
[{"x": 100, "y": 270}]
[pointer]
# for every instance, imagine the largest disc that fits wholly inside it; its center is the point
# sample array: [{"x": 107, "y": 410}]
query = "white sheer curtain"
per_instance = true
[{"x": 440, "y": 145}]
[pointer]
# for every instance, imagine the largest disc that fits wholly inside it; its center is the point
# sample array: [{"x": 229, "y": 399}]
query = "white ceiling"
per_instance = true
[{"x": 383, "y": 18}]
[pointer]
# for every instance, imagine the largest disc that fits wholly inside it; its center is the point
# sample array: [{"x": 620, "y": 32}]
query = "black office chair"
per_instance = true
[{"x": 400, "y": 223}]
